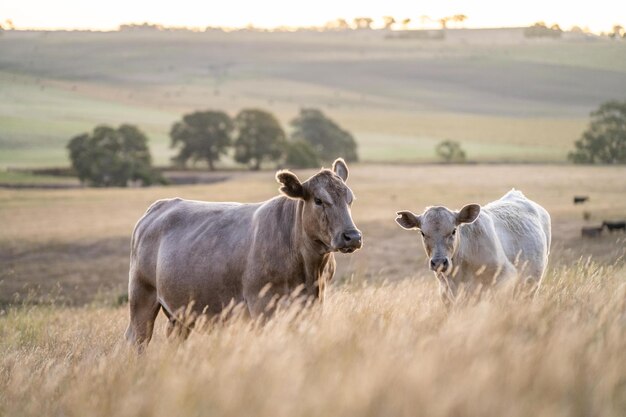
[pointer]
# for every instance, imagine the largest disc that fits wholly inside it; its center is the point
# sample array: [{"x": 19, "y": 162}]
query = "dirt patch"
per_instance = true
[{"x": 68, "y": 273}]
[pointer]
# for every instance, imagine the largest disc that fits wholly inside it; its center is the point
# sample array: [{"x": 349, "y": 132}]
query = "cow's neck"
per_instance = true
[
  {"x": 461, "y": 260},
  {"x": 473, "y": 254},
  {"x": 315, "y": 255}
]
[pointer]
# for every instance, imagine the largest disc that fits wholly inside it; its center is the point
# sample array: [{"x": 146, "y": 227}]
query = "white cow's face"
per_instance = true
[{"x": 438, "y": 227}]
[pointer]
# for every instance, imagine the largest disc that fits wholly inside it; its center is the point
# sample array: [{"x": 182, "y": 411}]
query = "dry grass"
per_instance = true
[
  {"x": 382, "y": 344},
  {"x": 372, "y": 350}
]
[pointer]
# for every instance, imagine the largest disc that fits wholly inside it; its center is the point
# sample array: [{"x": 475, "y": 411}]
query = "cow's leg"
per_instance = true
[
  {"x": 263, "y": 303},
  {"x": 177, "y": 330},
  {"x": 532, "y": 279},
  {"x": 505, "y": 275},
  {"x": 144, "y": 308}
]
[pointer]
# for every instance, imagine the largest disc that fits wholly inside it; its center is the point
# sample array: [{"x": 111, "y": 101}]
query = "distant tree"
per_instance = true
[
  {"x": 325, "y": 136},
  {"x": 337, "y": 24},
  {"x": 540, "y": 30},
  {"x": 112, "y": 157},
  {"x": 342, "y": 24},
  {"x": 604, "y": 141},
  {"x": 363, "y": 22},
  {"x": 405, "y": 23},
  {"x": 443, "y": 21},
  {"x": 459, "y": 18},
  {"x": 140, "y": 27},
  {"x": 388, "y": 22},
  {"x": 259, "y": 138},
  {"x": 300, "y": 154},
  {"x": 556, "y": 27},
  {"x": 450, "y": 151},
  {"x": 202, "y": 135},
  {"x": 618, "y": 31}
]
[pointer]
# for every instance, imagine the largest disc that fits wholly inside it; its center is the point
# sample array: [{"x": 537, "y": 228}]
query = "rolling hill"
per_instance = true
[{"x": 503, "y": 97}]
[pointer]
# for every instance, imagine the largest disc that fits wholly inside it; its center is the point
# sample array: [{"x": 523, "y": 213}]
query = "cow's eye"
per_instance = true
[
  {"x": 423, "y": 235},
  {"x": 454, "y": 232},
  {"x": 318, "y": 202}
]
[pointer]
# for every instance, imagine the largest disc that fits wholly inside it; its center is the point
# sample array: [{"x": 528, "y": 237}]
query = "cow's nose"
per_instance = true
[
  {"x": 439, "y": 264},
  {"x": 352, "y": 237}
]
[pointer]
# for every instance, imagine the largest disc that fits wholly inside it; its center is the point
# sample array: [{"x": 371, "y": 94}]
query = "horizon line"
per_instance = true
[{"x": 280, "y": 28}]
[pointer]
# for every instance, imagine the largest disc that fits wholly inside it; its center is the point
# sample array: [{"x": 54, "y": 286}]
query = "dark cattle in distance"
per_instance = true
[
  {"x": 579, "y": 199},
  {"x": 591, "y": 231},
  {"x": 613, "y": 226}
]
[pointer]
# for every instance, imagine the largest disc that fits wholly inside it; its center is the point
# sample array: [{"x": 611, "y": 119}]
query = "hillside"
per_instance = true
[{"x": 503, "y": 97}]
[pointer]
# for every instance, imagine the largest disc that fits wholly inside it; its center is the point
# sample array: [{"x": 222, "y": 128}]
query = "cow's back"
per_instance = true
[
  {"x": 192, "y": 250},
  {"x": 523, "y": 228}
]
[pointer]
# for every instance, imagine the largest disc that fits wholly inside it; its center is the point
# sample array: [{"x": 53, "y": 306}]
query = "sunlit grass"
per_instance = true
[{"x": 371, "y": 349}]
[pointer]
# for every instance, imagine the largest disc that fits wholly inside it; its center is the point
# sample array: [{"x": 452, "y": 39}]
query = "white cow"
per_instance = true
[{"x": 507, "y": 241}]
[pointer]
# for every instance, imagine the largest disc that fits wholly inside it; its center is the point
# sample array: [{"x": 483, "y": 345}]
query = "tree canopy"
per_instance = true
[
  {"x": 259, "y": 138},
  {"x": 604, "y": 141},
  {"x": 202, "y": 135},
  {"x": 300, "y": 154},
  {"x": 450, "y": 151},
  {"x": 112, "y": 157},
  {"x": 327, "y": 138}
]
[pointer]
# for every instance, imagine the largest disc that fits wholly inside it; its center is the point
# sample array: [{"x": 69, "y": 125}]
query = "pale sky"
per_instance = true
[{"x": 598, "y": 15}]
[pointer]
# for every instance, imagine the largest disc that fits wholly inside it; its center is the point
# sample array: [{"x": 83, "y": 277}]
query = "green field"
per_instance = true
[{"x": 504, "y": 98}]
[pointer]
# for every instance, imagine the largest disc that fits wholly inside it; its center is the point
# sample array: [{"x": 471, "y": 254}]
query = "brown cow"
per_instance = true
[{"x": 201, "y": 257}]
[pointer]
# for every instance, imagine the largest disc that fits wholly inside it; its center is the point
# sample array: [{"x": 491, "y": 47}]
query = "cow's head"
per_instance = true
[
  {"x": 326, "y": 213},
  {"x": 438, "y": 226}
]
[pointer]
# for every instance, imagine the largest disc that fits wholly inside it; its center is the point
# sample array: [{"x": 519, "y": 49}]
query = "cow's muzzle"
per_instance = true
[
  {"x": 441, "y": 264},
  {"x": 349, "y": 241}
]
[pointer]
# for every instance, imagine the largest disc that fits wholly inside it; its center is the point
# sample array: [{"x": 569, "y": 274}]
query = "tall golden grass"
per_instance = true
[
  {"x": 376, "y": 347},
  {"x": 386, "y": 349}
]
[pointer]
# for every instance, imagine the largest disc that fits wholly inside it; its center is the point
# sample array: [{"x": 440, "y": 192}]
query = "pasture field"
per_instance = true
[
  {"x": 503, "y": 97},
  {"x": 382, "y": 344}
]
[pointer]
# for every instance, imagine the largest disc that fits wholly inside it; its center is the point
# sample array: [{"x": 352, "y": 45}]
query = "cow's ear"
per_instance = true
[
  {"x": 408, "y": 220},
  {"x": 291, "y": 185},
  {"x": 340, "y": 168},
  {"x": 468, "y": 214}
]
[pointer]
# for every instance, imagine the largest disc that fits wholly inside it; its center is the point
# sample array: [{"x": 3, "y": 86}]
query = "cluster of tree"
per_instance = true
[
  {"x": 340, "y": 24},
  {"x": 109, "y": 157},
  {"x": 256, "y": 137},
  {"x": 116, "y": 157},
  {"x": 155, "y": 27},
  {"x": 604, "y": 141},
  {"x": 141, "y": 27},
  {"x": 541, "y": 30},
  {"x": 389, "y": 22}
]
